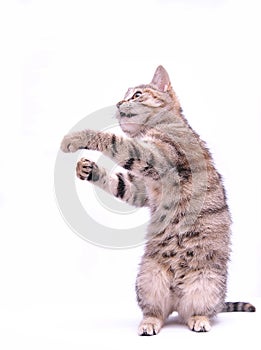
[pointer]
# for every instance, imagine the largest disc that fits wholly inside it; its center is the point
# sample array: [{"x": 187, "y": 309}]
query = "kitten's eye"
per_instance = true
[{"x": 137, "y": 94}]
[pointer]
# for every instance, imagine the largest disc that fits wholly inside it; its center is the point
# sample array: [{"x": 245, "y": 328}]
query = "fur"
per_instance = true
[{"x": 171, "y": 171}]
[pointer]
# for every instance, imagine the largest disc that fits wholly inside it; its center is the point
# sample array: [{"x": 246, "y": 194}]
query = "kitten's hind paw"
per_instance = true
[
  {"x": 150, "y": 326},
  {"x": 84, "y": 169},
  {"x": 199, "y": 324}
]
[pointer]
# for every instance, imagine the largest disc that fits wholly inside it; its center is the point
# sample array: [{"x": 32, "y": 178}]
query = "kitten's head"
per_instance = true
[{"x": 146, "y": 106}]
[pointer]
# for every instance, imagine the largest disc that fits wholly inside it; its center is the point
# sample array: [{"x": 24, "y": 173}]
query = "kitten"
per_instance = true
[{"x": 170, "y": 170}]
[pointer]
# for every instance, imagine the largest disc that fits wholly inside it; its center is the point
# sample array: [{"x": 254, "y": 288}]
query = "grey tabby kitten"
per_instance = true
[{"x": 170, "y": 170}]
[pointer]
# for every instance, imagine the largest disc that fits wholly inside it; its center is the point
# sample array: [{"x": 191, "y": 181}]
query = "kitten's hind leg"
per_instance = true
[
  {"x": 202, "y": 295},
  {"x": 153, "y": 297}
]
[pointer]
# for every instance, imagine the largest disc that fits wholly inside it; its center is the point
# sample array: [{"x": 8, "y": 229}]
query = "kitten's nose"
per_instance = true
[{"x": 119, "y": 103}]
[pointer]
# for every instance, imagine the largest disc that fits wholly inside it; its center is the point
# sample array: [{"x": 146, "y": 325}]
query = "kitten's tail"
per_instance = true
[{"x": 238, "y": 306}]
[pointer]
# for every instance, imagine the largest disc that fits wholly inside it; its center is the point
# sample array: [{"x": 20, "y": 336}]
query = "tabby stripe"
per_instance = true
[
  {"x": 121, "y": 188},
  {"x": 147, "y": 170},
  {"x": 182, "y": 165},
  {"x": 130, "y": 177},
  {"x": 173, "y": 144},
  {"x": 128, "y": 165},
  {"x": 151, "y": 161},
  {"x": 184, "y": 171},
  {"x": 238, "y": 307},
  {"x": 136, "y": 151},
  {"x": 113, "y": 143},
  {"x": 212, "y": 211}
]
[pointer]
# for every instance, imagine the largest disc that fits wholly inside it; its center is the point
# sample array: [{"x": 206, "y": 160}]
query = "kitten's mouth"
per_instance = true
[{"x": 127, "y": 115}]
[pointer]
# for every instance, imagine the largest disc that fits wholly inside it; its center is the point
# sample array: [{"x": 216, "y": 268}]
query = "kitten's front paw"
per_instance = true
[
  {"x": 84, "y": 169},
  {"x": 73, "y": 142}
]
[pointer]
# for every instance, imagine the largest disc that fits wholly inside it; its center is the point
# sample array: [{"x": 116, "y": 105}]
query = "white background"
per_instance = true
[{"x": 60, "y": 61}]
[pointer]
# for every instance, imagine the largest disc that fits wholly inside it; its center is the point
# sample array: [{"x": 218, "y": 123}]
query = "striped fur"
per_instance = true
[
  {"x": 171, "y": 171},
  {"x": 238, "y": 307}
]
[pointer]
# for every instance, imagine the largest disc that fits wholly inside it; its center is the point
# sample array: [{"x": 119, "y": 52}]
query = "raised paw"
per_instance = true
[
  {"x": 84, "y": 169},
  {"x": 199, "y": 324},
  {"x": 150, "y": 326},
  {"x": 73, "y": 142}
]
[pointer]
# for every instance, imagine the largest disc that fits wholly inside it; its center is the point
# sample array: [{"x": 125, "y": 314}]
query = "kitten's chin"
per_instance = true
[{"x": 130, "y": 128}]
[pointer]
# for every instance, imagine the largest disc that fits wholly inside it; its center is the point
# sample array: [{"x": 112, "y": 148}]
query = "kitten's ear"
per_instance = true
[{"x": 161, "y": 79}]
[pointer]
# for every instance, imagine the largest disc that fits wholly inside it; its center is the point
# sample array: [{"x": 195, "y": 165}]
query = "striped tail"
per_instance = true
[{"x": 238, "y": 307}]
